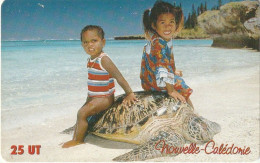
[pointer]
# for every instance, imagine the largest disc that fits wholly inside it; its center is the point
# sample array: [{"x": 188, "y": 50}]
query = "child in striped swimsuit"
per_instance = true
[{"x": 101, "y": 86}]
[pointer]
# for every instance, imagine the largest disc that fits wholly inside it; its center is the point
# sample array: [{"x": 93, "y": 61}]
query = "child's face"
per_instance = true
[
  {"x": 92, "y": 43},
  {"x": 165, "y": 26}
]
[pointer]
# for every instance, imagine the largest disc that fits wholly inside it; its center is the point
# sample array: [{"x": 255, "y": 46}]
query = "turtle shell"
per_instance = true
[{"x": 121, "y": 121}]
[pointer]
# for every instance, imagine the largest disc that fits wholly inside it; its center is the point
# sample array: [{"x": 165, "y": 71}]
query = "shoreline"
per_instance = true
[
  {"x": 188, "y": 33},
  {"x": 143, "y": 38},
  {"x": 237, "y": 115},
  {"x": 108, "y": 39}
]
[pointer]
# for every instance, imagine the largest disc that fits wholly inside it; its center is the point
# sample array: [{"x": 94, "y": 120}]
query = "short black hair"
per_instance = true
[{"x": 99, "y": 30}]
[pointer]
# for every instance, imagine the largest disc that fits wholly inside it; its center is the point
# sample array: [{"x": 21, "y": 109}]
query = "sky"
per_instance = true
[{"x": 64, "y": 19}]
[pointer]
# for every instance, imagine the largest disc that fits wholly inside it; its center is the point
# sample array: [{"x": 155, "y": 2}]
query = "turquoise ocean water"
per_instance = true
[{"x": 42, "y": 80}]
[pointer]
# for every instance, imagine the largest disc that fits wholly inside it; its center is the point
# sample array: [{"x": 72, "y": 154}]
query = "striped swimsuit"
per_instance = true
[{"x": 100, "y": 82}]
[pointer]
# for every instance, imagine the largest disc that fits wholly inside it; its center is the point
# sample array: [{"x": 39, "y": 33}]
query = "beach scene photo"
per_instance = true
[{"x": 44, "y": 75}]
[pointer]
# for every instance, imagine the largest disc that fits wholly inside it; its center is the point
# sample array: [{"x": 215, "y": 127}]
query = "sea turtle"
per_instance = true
[{"x": 154, "y": 120}]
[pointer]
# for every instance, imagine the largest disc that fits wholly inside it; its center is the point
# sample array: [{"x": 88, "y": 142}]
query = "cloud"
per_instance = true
[
  {"x": 134, "y": 13},
  {"x": 41, "y": 5}
]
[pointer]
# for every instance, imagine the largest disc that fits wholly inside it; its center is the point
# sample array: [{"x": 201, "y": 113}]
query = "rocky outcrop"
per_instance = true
[{"x": 235, "y": 25}]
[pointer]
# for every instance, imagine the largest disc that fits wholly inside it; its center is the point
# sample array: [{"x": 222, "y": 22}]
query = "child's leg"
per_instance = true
[
  {"x": 91, "y": 107},
  {"x": 190, "y": 103},
  {"x": 76, "y": 128}
]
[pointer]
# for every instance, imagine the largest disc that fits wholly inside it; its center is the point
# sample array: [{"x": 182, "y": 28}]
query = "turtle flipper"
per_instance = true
[
  {"x": 68, "y": 130},
  {"x": 155, "y": 147}
]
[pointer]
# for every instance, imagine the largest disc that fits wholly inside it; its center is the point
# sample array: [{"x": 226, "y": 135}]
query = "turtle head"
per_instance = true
[{"x": 201, "y": 130}]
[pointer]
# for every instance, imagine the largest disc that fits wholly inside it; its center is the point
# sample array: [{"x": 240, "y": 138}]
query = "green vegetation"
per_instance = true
[
  {"x": 193, "y": 33},
  {"x": 191, "y": 21},
  {"x": 133, "y": 37}
]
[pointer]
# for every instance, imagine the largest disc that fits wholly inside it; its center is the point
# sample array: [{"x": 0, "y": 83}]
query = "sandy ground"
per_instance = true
[{"x": 233, "y": 103}]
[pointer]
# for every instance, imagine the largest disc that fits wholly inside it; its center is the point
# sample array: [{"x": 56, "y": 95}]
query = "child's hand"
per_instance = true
[
  {"x": 178, "y": 72},
  {"x": 129, "y": 99},
  {"x": 177, "y": 96}
]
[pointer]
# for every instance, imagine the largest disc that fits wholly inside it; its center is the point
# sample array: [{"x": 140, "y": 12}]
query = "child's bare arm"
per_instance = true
[
  {"x": 173, "y": 93},
  {"x": 113, "y": 70}
]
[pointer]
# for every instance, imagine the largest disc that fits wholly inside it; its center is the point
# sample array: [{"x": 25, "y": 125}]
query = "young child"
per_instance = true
[
  {"x": 101, "y": 87},
  {"x": 158, "y": 72}
]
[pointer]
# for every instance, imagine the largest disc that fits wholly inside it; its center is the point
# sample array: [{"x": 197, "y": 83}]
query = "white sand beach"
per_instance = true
[{"x": 233, "y": 103}]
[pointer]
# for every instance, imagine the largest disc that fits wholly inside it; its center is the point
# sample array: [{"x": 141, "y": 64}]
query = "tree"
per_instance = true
[
  {"x": 205, "y": 7},
  {"x": 188, "y": 22},
  {"x": 219, "y": 4},
  {"x": 198, "y": 11},
  {"x": 193, "y": 20},
  {"x": 201, "y": 8},
  {"x": 214, "y": 8},
  {"x": 193, "y": 9}
]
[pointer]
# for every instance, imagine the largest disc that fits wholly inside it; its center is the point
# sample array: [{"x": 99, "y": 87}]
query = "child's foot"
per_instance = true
[{"x": 71, "y": 143}]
